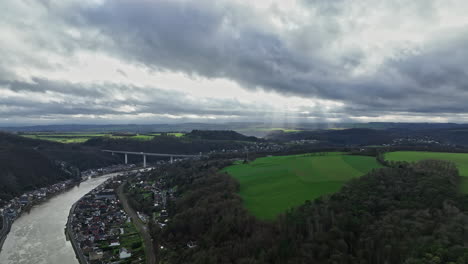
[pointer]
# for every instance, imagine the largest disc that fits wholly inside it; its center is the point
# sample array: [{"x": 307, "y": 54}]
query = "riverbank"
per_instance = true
[
  {"x": 19, "y": 205},
  {"x": 38, "y": 236},
  {"x": 16, "y": 207},
  {"x": 68, "y": 232},
  {"x": 6, "y": 227},
  {"x": 98, "y": 222},
  {"x": 69, "y": 229}
]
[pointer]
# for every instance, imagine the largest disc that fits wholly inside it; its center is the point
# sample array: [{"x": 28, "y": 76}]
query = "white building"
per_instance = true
[{"x": 123, "y": 253}]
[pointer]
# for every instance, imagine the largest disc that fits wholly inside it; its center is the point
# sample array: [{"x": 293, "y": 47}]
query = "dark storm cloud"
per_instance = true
[
  {"x": 225, "y": 39},
  {"x": 210, "y": 40},
  {"x": 195, "y": 38}
]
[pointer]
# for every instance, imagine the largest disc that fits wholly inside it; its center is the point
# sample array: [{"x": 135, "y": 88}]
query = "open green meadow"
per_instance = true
[
  {"x": 76, "y": 137},
  {"x": 271, "y": 185},
  {"x": 460, "y": 159},
  {"x": 63, "y": 137},
  {"x": 175, "y": 134}
]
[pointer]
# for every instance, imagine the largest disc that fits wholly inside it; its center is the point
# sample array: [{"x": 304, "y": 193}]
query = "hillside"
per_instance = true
[
  {"x": 191, "y": 143},
  {"x": 272, "y": 185},
  {"x": 219, "y": 135},
  {"x": 24, "y": 169},
  {"x": 83, "y": 157},
  {"x": 352, "y": 136},
  {"x": 26, "y": 163},
  {"x": 409, "y": 215},
  {"x": 410, "y": 136}
]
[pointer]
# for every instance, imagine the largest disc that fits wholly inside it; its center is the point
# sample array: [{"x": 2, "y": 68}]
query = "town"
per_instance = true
[
  {"x": 12, "y": 209},
  {"x": 101, "y": 231}
]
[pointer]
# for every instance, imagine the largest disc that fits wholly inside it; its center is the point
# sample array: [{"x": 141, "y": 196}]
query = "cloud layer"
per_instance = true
[{"x": 178, "y": 60}]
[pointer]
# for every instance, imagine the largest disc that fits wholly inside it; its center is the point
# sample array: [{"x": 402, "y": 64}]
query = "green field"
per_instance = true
[
  {"x": 253, "y": 129},
  {"x": 271, "y": 185},
  {"x": 63, "y": 138},
  {"x": 175, "y": 134},
  {"x": 460, "y": 159},
  {"x": 76, "y": 137}
]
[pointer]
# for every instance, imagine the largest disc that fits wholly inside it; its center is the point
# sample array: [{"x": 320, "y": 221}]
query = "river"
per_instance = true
[{"x": 38, "y": 237}]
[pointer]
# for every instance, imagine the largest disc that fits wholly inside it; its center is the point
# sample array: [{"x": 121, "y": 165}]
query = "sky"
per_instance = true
[{"x": 295, "y": 61}]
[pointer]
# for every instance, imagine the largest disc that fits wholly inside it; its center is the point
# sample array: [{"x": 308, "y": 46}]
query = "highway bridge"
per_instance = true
[{"x": 144, "y": 154}]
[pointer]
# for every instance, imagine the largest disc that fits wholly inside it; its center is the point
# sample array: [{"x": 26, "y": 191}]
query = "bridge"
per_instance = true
[{"x": 144, "y": 154}]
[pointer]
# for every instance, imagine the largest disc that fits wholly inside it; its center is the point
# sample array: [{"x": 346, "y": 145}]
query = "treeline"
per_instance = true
[
  {"x": 210, "y": 213},
  {"x": 345, "y": 137},
  {"x": 188, "y": 144},
  {"x": 411, "y": 137},
  {"x": 81, "y": 156},
  {"x": 408, "y": 214},
  {"x": 27, "y": 164},
  {"x": 219, "y": 135},
  {"x": 411, "y": 214}
]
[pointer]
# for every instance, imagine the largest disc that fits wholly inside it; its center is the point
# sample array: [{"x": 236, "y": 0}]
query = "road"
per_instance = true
[{"x": 142, "y": 228}]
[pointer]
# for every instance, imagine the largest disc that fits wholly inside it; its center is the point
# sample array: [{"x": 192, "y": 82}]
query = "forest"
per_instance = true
[
  {"x": 408, "y": 213},
  {"x": 27, "y": 163},
  {"x": 420, "y": 135},
  {"x": 219, "y": 135},
  {"x": 23, "y": 169},
  {"x": 192, "y": 143}
]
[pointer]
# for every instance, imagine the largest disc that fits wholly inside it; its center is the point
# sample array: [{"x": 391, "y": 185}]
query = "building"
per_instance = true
[{"x": 124, "y": 253}]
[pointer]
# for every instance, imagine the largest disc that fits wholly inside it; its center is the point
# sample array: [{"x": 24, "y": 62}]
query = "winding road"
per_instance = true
[{"x": 142, "y": 228}]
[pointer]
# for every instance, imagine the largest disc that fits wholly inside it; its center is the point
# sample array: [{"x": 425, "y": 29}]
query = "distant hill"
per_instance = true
[
  {"x": 442, "y": 134},
  {"x": 219, "y": 135},
  {"x": 247, "y": 128},
  {"x": 191, "y": 143},
  {"x": 133, "y": 128},
  {"x": 353, "y": 136},
  {"x": 26, "y": 163},
  {"x": 81, "y": 156}
]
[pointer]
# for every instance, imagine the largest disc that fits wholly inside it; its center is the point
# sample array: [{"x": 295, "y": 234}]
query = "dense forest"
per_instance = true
[
  {"x": 354, "y": 136},
  {"x": 408, "y": 136},
  {"x": 78, "y": 155},
  {"x": 193, "y": 143},
  {"x": 23, "y": 169},
  {"x": 27, "y": 164},
  {"x": 219, "y": 135},
  {"x": 410, "y": 213}
]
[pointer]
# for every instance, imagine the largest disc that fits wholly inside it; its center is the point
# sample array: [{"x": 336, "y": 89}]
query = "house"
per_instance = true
[
  {"x": 96, "y": 255},
  {"x": 106, "y": 194},
  {"x": 24, "y": 199},
  {"x": 11, "y": 213},
  {"x": 124, "y": 253},
  {"x": 114, "y": 243}
]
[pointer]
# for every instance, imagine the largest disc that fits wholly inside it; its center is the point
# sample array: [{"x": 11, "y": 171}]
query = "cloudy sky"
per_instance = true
[{"x": 154, "y": 61}]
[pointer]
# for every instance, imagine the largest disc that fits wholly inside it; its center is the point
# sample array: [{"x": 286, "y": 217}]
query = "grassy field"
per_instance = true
[
  {"x": 272, "y": 185},
  {"x": 83, "y": 137},
  {"x": 460, "y": 159},
  {"x": 176, "y": 134},
  {"x": 285, "y": 130},
  {"x": 63, "y": 138}
]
